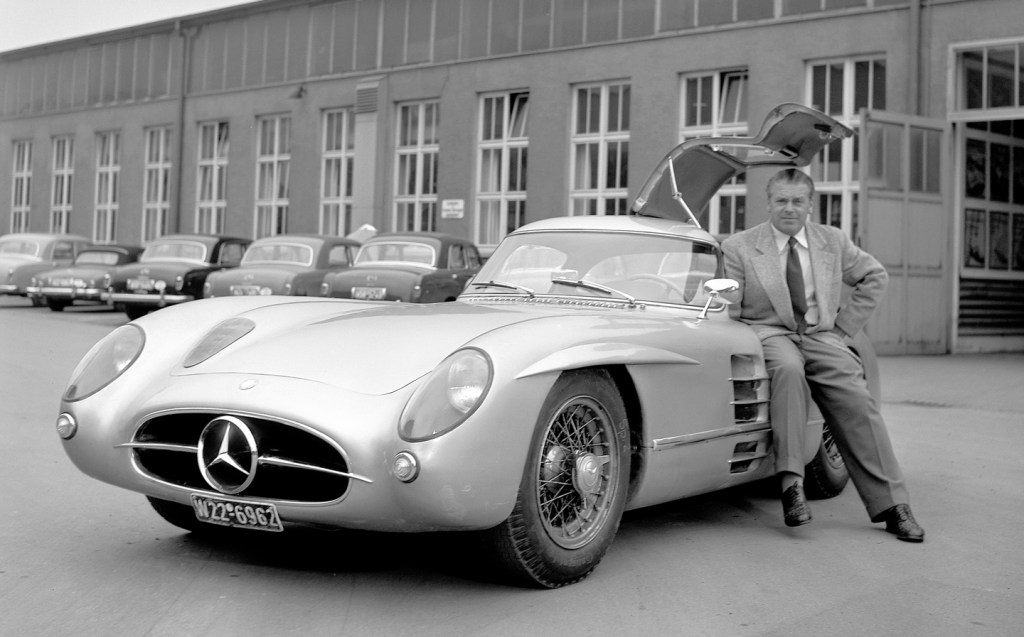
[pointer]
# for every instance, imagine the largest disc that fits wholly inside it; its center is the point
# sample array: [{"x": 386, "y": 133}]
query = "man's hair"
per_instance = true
[{"x": 791, "y": 176}]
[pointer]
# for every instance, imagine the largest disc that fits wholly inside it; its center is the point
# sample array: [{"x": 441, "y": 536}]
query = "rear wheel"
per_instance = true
[
  {"x": 825, "y": 476},
  {"x": 135, "y": 312},
  {"x": 57, "y": 305},
  {"x": 573, "y": 488}
]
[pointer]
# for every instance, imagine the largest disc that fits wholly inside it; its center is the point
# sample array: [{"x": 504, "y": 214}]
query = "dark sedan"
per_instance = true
[
  {"x": 84, "y": 279},
  {"x": 172, "y": 270},
  {"x": 414, "y": 267},
  {"x": 287, "y": 265}
]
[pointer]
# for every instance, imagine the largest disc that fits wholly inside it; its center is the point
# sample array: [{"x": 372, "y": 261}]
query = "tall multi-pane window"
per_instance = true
[
  {"x": 842, "y": 88},
  {"x": 108, "y": 173},
  {"x": 336, "y": 180},
  {"x": 211, "y": 191},
  {"x": 273, "y": 161},
  {"x": 600, "y": 149},
  {"x": 63, "y": 176},
  {"x": 713, "y": 105},
  {"x": 156, "y": 198},
  {"x": 991, "y": 77},
  {"x": 416, "y": 162},
  {"x": 501, "y": 181},
  {"x": 21, "y": 185}
]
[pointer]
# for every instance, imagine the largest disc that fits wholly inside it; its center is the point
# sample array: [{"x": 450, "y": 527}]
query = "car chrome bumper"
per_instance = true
[
  {"x": 11, "y": 289},
  {"x": 153, "y": 300},
  {"x": 85, "y": 294}
]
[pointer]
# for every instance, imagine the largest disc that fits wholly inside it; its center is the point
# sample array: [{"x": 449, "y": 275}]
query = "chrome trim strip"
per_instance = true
[
  {"x": 160, "y": 446},
  {"x": 154, "y": 299},
  {"x": 282, "y": 462},
  {"x": 748, "y": 458},
  {"x": 660, "y": 444}
]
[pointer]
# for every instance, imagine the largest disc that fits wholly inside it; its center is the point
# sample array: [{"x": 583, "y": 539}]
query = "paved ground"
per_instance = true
[{"x": 993, "y": 382}]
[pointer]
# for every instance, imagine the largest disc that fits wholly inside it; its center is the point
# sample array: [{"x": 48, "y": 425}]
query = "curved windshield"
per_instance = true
[
  {"x": 279, "y": 253},
  {"x": 175, "y": 250},
  {"x": 24, "y": 247},
  {"x": 397, "y": 251},
  {"x": 604, "y": 265},
  {"x": 97, "y": 257}
]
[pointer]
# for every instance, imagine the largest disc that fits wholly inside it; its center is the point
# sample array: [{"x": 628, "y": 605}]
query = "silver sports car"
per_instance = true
[{"x": 589, "y": 368}]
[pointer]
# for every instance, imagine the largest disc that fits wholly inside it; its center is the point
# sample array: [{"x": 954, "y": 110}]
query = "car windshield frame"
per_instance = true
[
  {"x": 369, "y": 253},
  {"x": 277, "y": 246},
  {"x": 151, "y": 252},
  {"x": 26, "y": 247},
  {"x": 625, "y": 266}
]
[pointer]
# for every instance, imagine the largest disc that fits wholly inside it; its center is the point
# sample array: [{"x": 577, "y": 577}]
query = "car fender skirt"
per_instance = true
[{"x": 599, "y": 354}]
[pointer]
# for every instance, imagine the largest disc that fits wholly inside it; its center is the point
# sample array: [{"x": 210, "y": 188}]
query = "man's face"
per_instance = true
[{"x": 789, "y": 205}]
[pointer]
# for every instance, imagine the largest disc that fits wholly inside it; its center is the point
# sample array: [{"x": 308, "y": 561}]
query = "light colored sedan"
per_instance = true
[
  {"x": 589, "y": 368},
  {"x": 287, "y": 265},
  {"x": 24, "y": 255}
]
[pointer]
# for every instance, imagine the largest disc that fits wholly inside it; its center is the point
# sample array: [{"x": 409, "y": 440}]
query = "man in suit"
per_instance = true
[{"x": 804, "y": 338}]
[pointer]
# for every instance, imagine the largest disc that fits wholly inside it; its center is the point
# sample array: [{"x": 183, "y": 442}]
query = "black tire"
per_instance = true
[
  {"x": 179, "y": 515},
  {"x": 573, "y": 488},
  {"x": 825, "y": 476},
  {"x": 135, "y": 312},
  {"x": 57, "y": 305},
  {"x": 36, "y": 301}
]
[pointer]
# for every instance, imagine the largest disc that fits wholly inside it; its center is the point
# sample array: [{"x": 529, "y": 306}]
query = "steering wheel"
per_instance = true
[{"x": 668, "y": 285}]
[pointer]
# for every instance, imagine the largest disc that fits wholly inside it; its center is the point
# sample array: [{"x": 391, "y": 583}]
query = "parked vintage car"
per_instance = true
[
  {"x": 84, "y": 279},
  {"x": 23, "y": 255},
  {"x": 589, "y": 368},
  {"x": 171, "y": 270},
  {"x": 414, "y": 267},
  {"x": 287, "y": 264}
]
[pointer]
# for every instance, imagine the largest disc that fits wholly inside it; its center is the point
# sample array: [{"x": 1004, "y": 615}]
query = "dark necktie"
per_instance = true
[{"x": 795, "y": 281}]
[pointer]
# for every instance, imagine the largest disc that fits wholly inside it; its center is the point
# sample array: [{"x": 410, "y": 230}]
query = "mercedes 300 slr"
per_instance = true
[{"x": 589, "y": 368}]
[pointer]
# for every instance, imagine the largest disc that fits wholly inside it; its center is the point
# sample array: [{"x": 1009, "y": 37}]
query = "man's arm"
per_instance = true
[{"x": 868, "y": 280}]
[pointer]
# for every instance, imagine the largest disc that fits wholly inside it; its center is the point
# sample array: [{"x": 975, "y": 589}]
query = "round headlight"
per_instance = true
[
  {"x": 107, "y": 360},
  {"x": 448, "y": 396},
  {"x": 160, "y": 285}
]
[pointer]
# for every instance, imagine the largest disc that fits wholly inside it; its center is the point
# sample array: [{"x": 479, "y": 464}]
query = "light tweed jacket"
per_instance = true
[{"x": 752, "y": 258}]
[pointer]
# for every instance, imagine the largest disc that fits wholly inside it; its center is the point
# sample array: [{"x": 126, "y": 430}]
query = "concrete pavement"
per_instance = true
[{"x": 989, "y": 382}]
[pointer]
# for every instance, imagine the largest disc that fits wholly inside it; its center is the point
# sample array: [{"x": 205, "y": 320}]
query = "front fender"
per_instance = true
[{"x": 601, "y": 354}]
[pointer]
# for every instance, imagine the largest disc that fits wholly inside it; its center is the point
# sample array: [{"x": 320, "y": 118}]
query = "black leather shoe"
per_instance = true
[
  {"x": 794, "y": 506},
  {"x": 900, "y": 522}
]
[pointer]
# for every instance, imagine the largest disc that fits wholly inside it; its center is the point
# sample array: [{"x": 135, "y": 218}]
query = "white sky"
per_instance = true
[{"x": 30, "y": 22}]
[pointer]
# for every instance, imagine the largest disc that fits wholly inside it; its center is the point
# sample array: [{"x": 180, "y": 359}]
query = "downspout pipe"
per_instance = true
[
  {"x": 185, "y": 66},
  {"x": 914, "y": 60}
]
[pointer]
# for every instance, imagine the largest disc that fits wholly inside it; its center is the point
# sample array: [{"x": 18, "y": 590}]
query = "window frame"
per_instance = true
[
  {"x": 508, "y": 195},
  {"x": 596, "y": 196}
]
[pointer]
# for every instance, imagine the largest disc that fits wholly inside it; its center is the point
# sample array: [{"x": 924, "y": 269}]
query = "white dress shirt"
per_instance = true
[{"x": 782, "y": 242}]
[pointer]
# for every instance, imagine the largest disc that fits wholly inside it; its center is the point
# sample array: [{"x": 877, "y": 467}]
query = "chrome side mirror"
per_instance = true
[{"x": 715, "y": 288}]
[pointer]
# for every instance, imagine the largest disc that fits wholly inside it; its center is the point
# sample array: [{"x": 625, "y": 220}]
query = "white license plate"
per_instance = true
[
  {"x": 245, "y": 290},
  {"x": 237, "y": 513},
  {"x": 140, "y": 285},
  {"x": 368, "y": 293}
]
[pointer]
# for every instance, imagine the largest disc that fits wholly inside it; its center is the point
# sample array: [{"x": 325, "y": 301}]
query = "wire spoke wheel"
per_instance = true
[
  {"x": 576, "y": 473},
  {"x": 574, "y": 485}
]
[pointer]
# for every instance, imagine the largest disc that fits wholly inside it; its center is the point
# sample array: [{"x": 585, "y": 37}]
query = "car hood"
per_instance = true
[
  {"x": 80, "y": 272},
  {"x": 16, "y": 261},
  {"x": 693, "y": 171},
  {"x": 260, "y": 274},
  {"x": 352, "y": 348},
  {"x": 159, "y": 269}
]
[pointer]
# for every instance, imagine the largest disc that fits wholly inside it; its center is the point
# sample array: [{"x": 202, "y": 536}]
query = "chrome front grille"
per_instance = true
[{"x": 293, "y": 464}]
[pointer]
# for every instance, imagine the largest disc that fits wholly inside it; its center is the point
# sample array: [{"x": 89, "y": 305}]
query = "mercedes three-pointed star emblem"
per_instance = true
[{"x": 227, "y": 454}]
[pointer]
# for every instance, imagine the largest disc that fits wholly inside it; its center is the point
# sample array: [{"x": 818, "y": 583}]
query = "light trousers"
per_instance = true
[{"x": 821, "y": 367}]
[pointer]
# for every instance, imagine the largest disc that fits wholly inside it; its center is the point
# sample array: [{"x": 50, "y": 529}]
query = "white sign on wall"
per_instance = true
[{"x": 452, "y": 208}]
